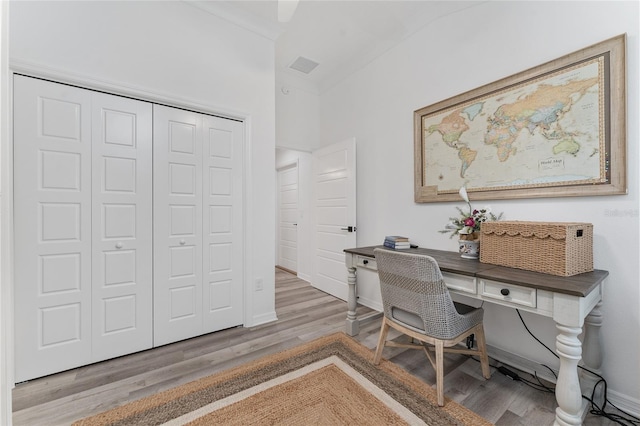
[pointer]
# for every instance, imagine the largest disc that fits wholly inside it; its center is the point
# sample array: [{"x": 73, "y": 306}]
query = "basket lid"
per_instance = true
[{"x": 554, "y": 230}]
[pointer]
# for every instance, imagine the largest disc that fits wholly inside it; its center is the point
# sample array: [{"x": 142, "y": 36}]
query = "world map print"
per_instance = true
[{"x": 544, "y": 132}]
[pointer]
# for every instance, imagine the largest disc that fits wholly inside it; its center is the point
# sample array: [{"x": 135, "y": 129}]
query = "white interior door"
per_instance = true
[
  {"x": 334, "y": 174},
  {"x": 52, "y": 224},
  {"x": 122, "y": 226},
  {"x": 222, "y": 227},
  {"x": 288, "y": 218},
  {"x": 177, "y": 189}
]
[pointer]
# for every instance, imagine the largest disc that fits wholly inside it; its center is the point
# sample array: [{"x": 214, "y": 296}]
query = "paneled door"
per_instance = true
[
  {"x": 334, "y": 173},
  {"x": 198, "y": 224},
  {"x": 222, "y": 228},
  {"x": 122, "y": 226},
  {"x": 177, "y": 177},
  {"x": 52, "y": 222},
  {"x": 83, "y": 249},
  {"x": 288, "y": 217}
]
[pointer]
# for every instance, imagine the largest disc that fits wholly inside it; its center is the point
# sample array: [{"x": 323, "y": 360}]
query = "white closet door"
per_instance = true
[
  {"x": 177, "y": 180},
  {"x": 122, "y": 226},
  {"x": 222, "y": 223},
  {"x": 52, "y": 224}
]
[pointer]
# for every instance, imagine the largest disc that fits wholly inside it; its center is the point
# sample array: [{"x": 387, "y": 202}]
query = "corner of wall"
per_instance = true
[
  {"x": 6, "y": 297},
  {"x": 263, "y": 319}
]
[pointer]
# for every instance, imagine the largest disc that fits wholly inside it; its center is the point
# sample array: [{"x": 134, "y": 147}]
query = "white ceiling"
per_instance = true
[{"x": 341, "y": 35}]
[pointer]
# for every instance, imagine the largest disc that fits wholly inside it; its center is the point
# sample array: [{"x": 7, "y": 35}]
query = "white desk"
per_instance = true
[{"x": 572, "y": 302}]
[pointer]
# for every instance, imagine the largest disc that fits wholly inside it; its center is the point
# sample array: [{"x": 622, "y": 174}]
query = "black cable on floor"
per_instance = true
[{"x": 595, "y": 409}]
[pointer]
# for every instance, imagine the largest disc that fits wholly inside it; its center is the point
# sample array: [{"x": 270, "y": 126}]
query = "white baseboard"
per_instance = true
[
  {"x": 521, "y": 363},
  {"x": 263, "y": 319},
  {"x": 305, "y": 277},
  {"x": 370, "y": 303},
  {"x": 624, "y": 402}
]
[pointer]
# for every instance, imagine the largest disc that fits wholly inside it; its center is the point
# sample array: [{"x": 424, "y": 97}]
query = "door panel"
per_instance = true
[
  {"x": 177, "y": 180},
  {"x": 122, "y": 226},
  {"x": 335, "y": 211},
  {"x": 288, "y": 218},
  {"x": 222, "y": 223},
  {"x": 52, "y": 198}
]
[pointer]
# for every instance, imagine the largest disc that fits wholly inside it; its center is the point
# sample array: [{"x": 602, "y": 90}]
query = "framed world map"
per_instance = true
[{"x": 555, "y": 130}]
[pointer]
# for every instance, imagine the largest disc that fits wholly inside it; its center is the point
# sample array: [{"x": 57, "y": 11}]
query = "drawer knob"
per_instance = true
[
  {"x": 504, "y": 292},
  {"x": 365, "y": 262}
]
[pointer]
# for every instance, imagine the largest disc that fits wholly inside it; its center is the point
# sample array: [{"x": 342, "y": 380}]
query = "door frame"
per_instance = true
[
  {"x": 7, "y": 366},
  {"x": 6, "y": 199}
]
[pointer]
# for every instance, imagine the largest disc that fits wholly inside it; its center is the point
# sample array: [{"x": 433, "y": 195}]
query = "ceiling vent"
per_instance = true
[{"x": 303, "y": 65}]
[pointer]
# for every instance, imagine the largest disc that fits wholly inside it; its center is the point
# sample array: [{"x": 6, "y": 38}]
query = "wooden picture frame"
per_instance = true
[{"x": 563, "y": 152}]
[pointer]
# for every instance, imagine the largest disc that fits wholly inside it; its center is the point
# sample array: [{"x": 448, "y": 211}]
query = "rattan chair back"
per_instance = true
[{"x": 413, "y": 284}]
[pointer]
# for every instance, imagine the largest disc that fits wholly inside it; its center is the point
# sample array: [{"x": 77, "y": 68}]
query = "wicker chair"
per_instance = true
[{"x": 417, "y": 303}]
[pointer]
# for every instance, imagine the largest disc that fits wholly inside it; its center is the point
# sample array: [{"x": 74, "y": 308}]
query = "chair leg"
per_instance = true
[
  {"x": 384, "y": 329},
  {"x": 482, "y": 349},
  {"x": 440, "y": 371}
]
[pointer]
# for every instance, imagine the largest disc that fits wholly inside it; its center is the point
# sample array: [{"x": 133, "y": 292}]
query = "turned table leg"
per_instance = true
[
  {"x": 568, "y": 393},
  {"x": 592, "y": 354},
  {"x": 352, "y": 325}
]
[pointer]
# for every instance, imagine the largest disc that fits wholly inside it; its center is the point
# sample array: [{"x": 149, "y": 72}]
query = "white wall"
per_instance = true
[
  {"x": 172, "y": 51},
  {"x": 297, "y": 117},
  {"x": 463, "y": 51}
]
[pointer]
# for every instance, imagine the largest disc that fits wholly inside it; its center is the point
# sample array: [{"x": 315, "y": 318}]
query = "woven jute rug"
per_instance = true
[{"x": 329, "y": 381}]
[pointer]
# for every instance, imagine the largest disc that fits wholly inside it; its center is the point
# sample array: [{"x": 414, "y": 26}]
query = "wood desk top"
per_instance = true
[{"x": 577, "y": 285}]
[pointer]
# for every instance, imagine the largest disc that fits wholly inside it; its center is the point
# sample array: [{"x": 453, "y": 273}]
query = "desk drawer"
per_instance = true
[
  {"x": 366, "y": 262},
  {"x": 461, "y": 283},
  {"x": 510, "y": 294}
]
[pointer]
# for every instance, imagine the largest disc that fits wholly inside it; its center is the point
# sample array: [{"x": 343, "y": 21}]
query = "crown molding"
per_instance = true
[{"x": 236, "y": 15}]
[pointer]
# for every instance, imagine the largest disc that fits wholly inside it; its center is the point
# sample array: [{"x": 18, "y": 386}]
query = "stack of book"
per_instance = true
[{"x": 396, "y": 242}]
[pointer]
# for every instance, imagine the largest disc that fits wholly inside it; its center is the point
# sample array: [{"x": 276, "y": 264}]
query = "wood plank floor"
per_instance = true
[{"x": 304, "y": 314}]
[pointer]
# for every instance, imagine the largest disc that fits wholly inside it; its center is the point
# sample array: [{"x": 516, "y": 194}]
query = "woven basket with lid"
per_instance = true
[{"x": 556, "y": 248}]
